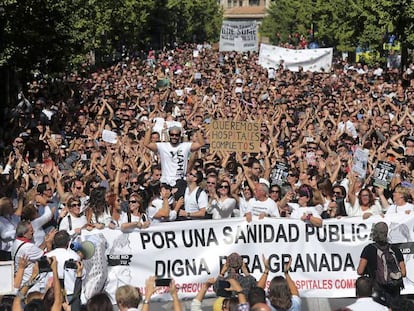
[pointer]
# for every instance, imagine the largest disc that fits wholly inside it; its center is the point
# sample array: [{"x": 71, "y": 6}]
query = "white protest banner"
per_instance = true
[
  {"x": 324, "y": 260},
  {"x": 309, "y": 59},
  {"x": 7, "y": 277},
  {"x": 360, "y": 162},
  {"x": 239, "y": 36}
]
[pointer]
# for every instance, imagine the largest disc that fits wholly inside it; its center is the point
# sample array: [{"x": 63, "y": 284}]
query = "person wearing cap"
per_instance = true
[
  {"x": 368, "y": 262},
  {"x": 63, "y": 253},
  {"x": 173, "y": 154}
]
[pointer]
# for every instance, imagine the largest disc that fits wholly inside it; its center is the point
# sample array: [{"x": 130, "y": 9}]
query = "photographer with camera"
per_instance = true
[{"x": 69, "y": 266}]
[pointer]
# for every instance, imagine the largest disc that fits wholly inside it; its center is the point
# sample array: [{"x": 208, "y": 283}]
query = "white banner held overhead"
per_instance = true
[
  {"x": 239, "y": 36},
  {"x": 324, "y": 260},
  {"x": 308, "y": 59}
]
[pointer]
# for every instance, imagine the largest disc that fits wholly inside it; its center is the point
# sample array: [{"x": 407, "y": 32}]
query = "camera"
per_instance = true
[
  {"x": 70, "y": 264},
  {"x": 44, "y": 265}
]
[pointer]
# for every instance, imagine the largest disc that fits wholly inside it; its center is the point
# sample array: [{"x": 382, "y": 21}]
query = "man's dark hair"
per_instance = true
[
  {"x": 155, "y": 167},
  {"x": 199, "y": 176},
  {"x": 252, "y": 161},
  {"x": 363, "y": 287},
  {"x": 41, "y": 187},
  {"x": 61, "y": 239}
]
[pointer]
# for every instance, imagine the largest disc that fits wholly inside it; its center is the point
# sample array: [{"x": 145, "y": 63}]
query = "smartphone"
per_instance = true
[{"x": 162, "y": 282}]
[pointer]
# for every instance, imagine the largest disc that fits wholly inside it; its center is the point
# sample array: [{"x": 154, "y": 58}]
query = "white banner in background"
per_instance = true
[
  {"x": 308, "y": 59},
  {"x": 324, "y": 260},
  {"x": 239, "y": 36}
]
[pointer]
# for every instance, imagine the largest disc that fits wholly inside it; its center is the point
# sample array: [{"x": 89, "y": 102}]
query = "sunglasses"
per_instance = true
[
  {"x": 79, "y": 187},
  {"x": 134, "y": 183},
  {"x": 274, "y": 191},
  {"x": 337, "y": 193},
  {"x": 75, "y": 204},
  {"x": 133, "y": 201},
  {"x": 224, "y": 186},
  {"x": 174, "y": 135},
  {"x": 211, "y": 183}
]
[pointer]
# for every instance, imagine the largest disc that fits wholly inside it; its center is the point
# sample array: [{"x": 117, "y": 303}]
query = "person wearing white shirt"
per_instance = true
[
  {"x": 8, "y": 223},
  {"x": 135, "y": 216},
  {"x": 173, "y": 154},
  {"x": 261, "y": 205},
  {"x": 23, "y": 246},
  {"x": 63, "y": 253},
  {"x": 346, "y": 126},
  {"x": 222, "y": 205},
  {"x": 400, "y": 198},
  {"x": 163, "y": 207},
  {"x": 73, "y": 222},
  {"x": 194, "y": 206},
  {"x": 303, "y": 209},
  {"x": 365, "y": 302}
]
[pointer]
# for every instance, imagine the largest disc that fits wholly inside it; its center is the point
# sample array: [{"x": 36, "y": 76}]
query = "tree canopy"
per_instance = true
[
  {"x": 56, "y": 35},
  {"x": 342, "y": 24}
]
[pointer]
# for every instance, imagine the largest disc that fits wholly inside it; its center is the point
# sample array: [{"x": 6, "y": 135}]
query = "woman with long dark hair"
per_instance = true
[
  {"x": 223, "y": 203},
  {"x": 99, "y": 213},
  {"x": 283, "y": 295}
]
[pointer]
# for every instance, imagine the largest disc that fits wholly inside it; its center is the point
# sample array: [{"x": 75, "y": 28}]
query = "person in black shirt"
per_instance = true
[{"x": 368, "y": 264}]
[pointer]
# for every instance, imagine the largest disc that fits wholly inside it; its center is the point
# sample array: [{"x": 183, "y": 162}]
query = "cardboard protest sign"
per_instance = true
[{"x": 234, "y": 136}]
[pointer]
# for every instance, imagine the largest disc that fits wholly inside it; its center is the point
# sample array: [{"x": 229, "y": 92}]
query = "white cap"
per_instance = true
[{"x": 238, "y": 80}]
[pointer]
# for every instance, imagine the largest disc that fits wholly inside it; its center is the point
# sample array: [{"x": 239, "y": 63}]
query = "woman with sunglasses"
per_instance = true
[
  {"x": 303, "y": 209},
  {"x": 73, "y": 222},
  {"x": 223, "y": 204},
  {"x": 135, "y": 216}
]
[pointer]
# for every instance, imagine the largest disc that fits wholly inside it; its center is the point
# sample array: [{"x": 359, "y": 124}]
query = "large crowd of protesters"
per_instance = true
[{"x": 60, "y": 172}]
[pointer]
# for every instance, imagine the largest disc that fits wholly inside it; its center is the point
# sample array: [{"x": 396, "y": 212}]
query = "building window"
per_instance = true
[{"x": 254, "y": 2}]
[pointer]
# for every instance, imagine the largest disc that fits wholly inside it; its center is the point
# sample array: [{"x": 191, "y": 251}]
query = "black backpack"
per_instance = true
[{"x": 388, "y": 273}]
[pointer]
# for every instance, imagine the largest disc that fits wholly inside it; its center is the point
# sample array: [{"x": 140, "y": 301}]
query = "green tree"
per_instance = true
[{"x": 287, "y": 17}]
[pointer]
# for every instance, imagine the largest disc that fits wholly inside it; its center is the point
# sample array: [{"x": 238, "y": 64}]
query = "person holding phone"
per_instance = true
[{"x": 150, "y": 289}]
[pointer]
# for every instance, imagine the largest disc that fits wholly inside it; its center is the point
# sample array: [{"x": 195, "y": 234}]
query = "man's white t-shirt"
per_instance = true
[
  {"x": 191, "y": 204},
  {"x": 174, "y": 161},
  {"x": 68, "y": 275},
  {"x": 267, "y": 206}
]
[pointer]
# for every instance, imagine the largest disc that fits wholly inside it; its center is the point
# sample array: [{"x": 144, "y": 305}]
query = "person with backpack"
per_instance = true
[
  {"x": 195, "y": 200},
  {"x": 384, "y": 263}
]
